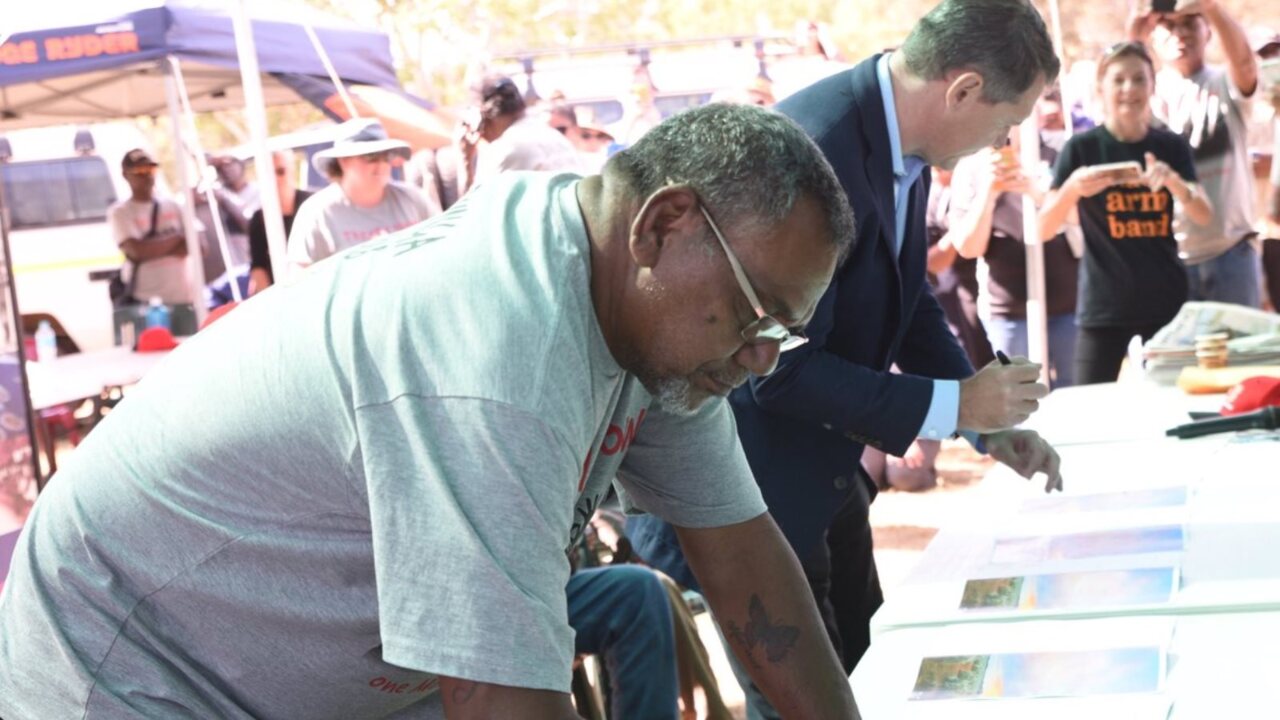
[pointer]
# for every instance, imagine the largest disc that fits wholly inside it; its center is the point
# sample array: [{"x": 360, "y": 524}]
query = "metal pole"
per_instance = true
[
  {"x": 1037, "y": 317},
  {"x": 1065, "y": 92},
  {"x": 11, "y": 298},
  {"x": 333, "y": 74},
  {"x": 210, "y": 197},
  {"x": 195, "y": 266},
  {"x": 256, "y": 113}
]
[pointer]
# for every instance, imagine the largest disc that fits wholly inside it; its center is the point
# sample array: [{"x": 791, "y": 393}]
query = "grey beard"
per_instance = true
[{"x": 673, "y": 396}]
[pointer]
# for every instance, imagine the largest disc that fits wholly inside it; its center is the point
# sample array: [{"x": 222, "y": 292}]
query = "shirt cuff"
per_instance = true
[{"x": 944, "y": 411}]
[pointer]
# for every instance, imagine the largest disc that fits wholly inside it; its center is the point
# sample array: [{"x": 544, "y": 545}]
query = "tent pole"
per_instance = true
[
  {"x": 195, "y": 266},
  {"x": 333, "y": 74},
  {"x": 210, "y": 197},
  {"x": 1037, "y": 306},
  {"x": 1066, "y": 93},
  {"x": 256, "y": 114},
  {"x": 13, "y": 324},
  {"x": 1037, "y": 295}
]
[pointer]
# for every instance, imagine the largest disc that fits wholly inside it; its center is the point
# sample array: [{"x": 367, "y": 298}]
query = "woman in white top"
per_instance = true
[{"x": 362, "y": 202}]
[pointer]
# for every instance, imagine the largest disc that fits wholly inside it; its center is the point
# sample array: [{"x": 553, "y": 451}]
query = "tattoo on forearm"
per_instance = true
[
  {"x": 775, "y": 639},
  {"x": 463, "y": 692}
]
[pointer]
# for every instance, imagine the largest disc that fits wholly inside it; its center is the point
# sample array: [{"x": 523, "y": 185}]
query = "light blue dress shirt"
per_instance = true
[{"x": 944, "y": 408}]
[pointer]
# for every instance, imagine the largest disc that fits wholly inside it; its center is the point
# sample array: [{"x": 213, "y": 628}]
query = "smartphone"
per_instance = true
[
  {"x": 1269, "y": 72},
  {"x": 1120, "y": 168},
  {"x": 1165, "y": 6}
]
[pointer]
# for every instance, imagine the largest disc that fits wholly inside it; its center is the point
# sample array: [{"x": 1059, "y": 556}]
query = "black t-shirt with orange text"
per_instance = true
[{"x": 1131, "y": 274}]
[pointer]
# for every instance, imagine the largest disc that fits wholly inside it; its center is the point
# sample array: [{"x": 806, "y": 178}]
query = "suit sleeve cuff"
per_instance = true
[{"x": 944, "y": 411}]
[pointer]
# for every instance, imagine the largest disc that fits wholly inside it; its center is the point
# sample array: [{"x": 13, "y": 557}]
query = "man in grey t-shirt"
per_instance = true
[
  {"x": 1206, "y": 104},
  {"x": 364, "y": 511}
]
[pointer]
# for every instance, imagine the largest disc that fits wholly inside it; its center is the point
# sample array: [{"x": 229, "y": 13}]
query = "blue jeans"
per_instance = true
[
  {"x": 1232, "y": 277},
  {"x": 1009, "y": 335},
  {"x": 622, "y": 614}
]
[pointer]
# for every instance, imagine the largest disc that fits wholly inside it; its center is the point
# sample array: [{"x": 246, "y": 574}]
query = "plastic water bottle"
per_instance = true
[
  {"x": 158, "y": 314},
  {"x": 46, "y": 342}
]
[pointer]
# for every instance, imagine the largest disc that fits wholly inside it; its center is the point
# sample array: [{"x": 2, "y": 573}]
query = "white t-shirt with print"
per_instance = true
[
  {"x": 328, "y": 222},
  {"x": 376, "y": 488},
  {"x": 162, "y": 277},
  {"x": 1209, "y": 111},
  {"x": 529, "y": 144}
]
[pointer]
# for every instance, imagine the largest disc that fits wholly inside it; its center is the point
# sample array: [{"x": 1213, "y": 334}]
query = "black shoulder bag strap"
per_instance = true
[{"x": 133, "y": 277}]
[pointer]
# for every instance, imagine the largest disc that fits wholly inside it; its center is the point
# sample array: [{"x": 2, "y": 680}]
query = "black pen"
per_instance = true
[{"x": 1004, "y": 359}]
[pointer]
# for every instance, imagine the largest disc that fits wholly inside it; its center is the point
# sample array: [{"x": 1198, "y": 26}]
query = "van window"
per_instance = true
[
  {"x": 57, "y": 192},
  {"x": 605, "y": 112},
  {"x": 669, "y": 105}
]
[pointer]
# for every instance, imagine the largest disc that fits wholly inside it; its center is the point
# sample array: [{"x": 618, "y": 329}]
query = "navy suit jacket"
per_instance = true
[{"x": 804, "y": 426}]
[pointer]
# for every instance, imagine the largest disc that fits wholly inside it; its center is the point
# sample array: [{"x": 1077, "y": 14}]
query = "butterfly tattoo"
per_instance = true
[{"x": 776, "y": 640}]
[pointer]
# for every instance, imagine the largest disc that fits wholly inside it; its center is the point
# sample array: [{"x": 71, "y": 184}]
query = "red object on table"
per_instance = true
[
  {"x": 1252, "y": 394},
  {"x": 156, "y": 339}
]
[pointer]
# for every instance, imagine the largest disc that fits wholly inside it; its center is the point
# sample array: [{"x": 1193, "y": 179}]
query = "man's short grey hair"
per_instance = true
[
  {"x": 1005, "y": 41},
  {"x": 747, "y": 164}
]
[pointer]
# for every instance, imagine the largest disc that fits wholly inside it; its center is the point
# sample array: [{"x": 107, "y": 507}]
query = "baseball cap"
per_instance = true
[
  {"x": 1252, "y": 394},
  {"x": 156, "y": 339},
  {"x": 137, "y": 157}
]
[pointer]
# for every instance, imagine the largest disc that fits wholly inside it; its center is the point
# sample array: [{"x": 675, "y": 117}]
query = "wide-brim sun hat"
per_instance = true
[{"x": 359, "y": 137}]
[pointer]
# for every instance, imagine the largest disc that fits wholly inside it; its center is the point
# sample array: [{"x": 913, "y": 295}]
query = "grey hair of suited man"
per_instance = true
[
  {"x": 747, "y": 164},
  {"x": 1004, "y": 41}
]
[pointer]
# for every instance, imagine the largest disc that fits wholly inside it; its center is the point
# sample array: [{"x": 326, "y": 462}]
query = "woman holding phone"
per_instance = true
[{"x": 1120, "y": 182}]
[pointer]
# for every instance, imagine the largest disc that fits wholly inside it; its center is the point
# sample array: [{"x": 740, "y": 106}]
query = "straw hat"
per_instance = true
[{"x": 359, "y": 137}]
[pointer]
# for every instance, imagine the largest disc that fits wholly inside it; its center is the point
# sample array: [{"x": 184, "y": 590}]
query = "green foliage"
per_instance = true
[{"x": 436, "y": 41}]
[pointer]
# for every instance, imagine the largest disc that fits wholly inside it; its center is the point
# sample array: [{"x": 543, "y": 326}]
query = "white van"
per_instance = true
[{"x": 58, "y": 184}]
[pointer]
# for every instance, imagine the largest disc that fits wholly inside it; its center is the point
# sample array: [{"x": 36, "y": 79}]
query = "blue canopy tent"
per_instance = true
[
  {"x": 111, "y": 60},
  {"x": 112, "y": 64},
  {"x": 131, "y": 58}
]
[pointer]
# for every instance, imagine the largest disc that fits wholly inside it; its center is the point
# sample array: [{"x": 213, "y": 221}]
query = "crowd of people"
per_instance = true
[
  {"x": 1154, "y": 198},
  {"x": 737, "y": 326}
]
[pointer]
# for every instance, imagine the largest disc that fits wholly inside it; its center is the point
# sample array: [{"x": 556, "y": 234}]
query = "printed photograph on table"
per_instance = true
[
  {"x": 1109, "y": 502},
  {"x": 1072, "y": 591},
  {"x": 1041, "y": 675},
  {"x": 1080, "y": 546}
]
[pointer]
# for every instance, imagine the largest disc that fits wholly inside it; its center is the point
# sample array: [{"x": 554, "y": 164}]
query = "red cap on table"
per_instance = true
[
  {"x": 156, "y": 339},
  {"x": 1254, "y": 393}
]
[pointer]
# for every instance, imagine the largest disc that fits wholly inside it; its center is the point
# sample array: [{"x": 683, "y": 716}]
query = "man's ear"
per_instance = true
[
  {"x": 965, "y": 88},
  {"x": 671, "y": 211}
]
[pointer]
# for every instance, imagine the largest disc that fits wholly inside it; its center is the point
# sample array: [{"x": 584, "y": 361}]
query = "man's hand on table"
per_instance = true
[{"x": 1027, "y": 454}]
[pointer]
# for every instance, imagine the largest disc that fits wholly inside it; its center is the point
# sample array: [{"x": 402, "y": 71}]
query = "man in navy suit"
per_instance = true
[{"x": 969, "y": 71}]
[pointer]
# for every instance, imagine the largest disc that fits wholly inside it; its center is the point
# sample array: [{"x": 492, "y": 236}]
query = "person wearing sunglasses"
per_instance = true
[
  {"x": 513, "y": 139},
  {"x": 588, "y": 136},
  {"x": 967, "y": 73},
  {"x": 291, "y": 198},
  {"x": 362, "y": 202},
  {"x": 364, "y": 511}
]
